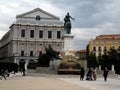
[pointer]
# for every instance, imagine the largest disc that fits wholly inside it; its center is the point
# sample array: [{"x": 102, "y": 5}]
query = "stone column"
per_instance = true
[
  {"x": 68, "y": 42},
  {"x": 113, "y": 68},
  {"x": 100, "y": 67}
]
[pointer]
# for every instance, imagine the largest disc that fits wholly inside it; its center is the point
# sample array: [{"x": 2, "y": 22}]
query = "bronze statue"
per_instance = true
[{"x": 67, "y": 23}]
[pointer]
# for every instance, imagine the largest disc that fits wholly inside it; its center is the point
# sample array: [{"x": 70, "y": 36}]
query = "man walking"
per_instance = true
[{"x": 105, "y": 74}]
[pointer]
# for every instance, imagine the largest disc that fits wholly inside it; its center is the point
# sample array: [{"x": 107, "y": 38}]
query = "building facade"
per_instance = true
[
  {"x": 101, "y": 44},
  {"x": 32, "y": 32},
  {"x": 81, "y": 54}
]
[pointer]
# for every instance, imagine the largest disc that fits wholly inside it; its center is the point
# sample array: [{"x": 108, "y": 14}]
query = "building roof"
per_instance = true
[
  {"x": 37, "y": 9},
  {"x": 82, "y": 51},
  {"x": 45, "y": 18},
  {"x": 107, "y": 37}
]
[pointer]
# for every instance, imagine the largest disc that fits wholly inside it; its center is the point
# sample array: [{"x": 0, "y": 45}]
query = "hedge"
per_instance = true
[{"x": 10, "y": 66}]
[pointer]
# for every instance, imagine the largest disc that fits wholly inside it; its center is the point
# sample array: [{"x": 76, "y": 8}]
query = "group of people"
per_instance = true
[
  {"x": 92, "y": 75},
  {"x": 5, "y": 73}
]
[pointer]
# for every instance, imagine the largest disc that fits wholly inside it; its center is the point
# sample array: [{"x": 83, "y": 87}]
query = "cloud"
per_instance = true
[
  {"x": 92, "y": 17},
  {"x": 82, "y": 36},
  {"x": 3, "y": 29},
  {"x": 86, "y": 33}
]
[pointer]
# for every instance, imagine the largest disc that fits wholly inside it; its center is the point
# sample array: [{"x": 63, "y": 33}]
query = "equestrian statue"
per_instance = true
[{"x": 67, "y": 23}]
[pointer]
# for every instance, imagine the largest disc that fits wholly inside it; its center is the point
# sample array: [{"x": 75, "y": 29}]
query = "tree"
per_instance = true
[
  {"x": 104, "y": 61},
  {"x": 113, "y": 54},
  {"x": 44, "y": 59},
  {"x": 111, "y": 58},
  {"x": 91, "y": 61}
]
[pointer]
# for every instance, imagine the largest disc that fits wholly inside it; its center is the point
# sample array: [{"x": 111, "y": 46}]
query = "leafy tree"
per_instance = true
[
  {"x": 104, "y": 61},
  {"x": 113, "y": 54},
  {"x": 111, "y": 58},
  {"x": 91, "y": 61},
  {"x": 44, "y": 59}
]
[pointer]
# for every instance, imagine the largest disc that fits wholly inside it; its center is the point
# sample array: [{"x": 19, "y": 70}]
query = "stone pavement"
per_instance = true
[
  {"x": 113, "y": 83},
  {"x": 37, "y": 81},
  {"x": 41, "y": 82}
]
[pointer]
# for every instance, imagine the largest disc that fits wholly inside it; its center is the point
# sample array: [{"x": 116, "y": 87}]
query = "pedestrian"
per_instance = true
[
  {"x": 94, "y": 75},
  {"x": 22, "y": 66},
  {"x": 82, "y": 73},
  {"x": 4, "y": 73},
  {"x": 105, "y": 73},
  {"x": 89, "y": 75}
]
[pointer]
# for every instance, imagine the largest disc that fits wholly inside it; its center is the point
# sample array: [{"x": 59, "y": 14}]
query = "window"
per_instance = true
[
  {"x": 40, "y": 52},
  {"x": 22, "y": 43},
  {"x": 113, "y": 47},
  {"x": 22, "y": 33},
  {"x": 22, "y": 53},
  {"x": 99, "y": 54},
  {"x": 105, "y": 49},
  {"x": 32, "y": 33},
  {"x": 40, "y": 34},
  {"x": 94, "y": 49},
  {"x": 58, "y": 34},
  {"x": 49, "y": 34},
  {"x": 38, "y": 17},
  {"x": 99, "y": 49},
  {"x": 31, "y": 53},
  {"x": 118, "y": 48}
]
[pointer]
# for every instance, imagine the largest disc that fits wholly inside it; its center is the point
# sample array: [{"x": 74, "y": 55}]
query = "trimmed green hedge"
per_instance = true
[
  {"x": 10, "y": 66},
  {"x": 32, "y": 66}
]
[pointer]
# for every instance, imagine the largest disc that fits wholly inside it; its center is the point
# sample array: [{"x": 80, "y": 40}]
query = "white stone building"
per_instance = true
[{"x": 32, "y": 32}]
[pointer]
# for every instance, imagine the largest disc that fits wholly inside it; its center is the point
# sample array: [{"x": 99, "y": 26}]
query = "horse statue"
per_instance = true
[{"x": 67, "y": 23}]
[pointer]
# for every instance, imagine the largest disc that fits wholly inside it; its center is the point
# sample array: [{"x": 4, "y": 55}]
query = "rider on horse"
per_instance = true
[{"x": 67, "y": 23}]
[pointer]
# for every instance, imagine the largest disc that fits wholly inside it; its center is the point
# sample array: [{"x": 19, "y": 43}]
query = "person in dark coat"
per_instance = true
[
  {"x": 22, "y": 66},
  {"x": 82, "y": 73},
  {"x": 89, "y": 75},
  {"x": 105, "y": 73},
  {"x": 4, "y": 73}
]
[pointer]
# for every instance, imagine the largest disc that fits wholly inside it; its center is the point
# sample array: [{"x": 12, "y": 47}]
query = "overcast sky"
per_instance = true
[{"x": 92, "y": 17}]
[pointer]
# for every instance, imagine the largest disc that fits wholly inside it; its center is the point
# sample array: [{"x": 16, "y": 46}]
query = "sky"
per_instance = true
[{"x": 92, "y": 17}]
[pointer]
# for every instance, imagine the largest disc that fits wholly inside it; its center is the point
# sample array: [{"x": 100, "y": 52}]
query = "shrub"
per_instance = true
[{"x": 10, "y": 66}]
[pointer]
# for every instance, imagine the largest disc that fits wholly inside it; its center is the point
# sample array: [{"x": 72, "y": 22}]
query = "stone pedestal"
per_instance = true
[{"x": 68, "y": 42}]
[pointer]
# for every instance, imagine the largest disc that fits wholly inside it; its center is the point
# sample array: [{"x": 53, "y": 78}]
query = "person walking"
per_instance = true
[
  {"x": 94, "y": 75},
  {"x": 82, "y": 73},
  {"x": 105, "y": 73},
  {"x": 89, "y": 75},
  {"x": 2, "y": 72},
  {"x": 22, "y": 66}
]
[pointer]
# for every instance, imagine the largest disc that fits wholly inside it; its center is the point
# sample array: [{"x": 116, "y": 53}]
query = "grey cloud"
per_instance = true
[
  {"x": 102, "y": 14},
  {"x": 88, "y": 13},
  {"x": 80, "y": 44}
]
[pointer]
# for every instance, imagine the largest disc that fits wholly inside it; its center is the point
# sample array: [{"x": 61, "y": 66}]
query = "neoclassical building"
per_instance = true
[
  {"x": 101, "y": 44},
  {"x": 30, "y": 34}
]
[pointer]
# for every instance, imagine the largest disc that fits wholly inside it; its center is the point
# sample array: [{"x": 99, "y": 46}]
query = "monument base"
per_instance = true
[{"x": 68, "y": 42}]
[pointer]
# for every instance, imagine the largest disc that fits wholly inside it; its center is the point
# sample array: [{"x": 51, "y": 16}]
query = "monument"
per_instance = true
[
  {"x": 69, "y": 65},
  {"x": 68, "y": 37}
]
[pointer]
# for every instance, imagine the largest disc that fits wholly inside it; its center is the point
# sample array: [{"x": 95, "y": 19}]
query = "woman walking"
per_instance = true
[{"x": 82, "y": 73}]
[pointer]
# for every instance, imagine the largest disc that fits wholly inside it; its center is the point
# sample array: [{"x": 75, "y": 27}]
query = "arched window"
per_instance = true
[{"x": 38, "y": 17}]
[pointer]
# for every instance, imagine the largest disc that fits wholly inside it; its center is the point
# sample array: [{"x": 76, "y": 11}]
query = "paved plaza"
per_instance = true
[{"x": 37, "y": 81}]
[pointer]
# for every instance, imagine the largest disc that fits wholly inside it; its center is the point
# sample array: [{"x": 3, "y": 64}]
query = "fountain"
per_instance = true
[{"x": 69, "y": 65}]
